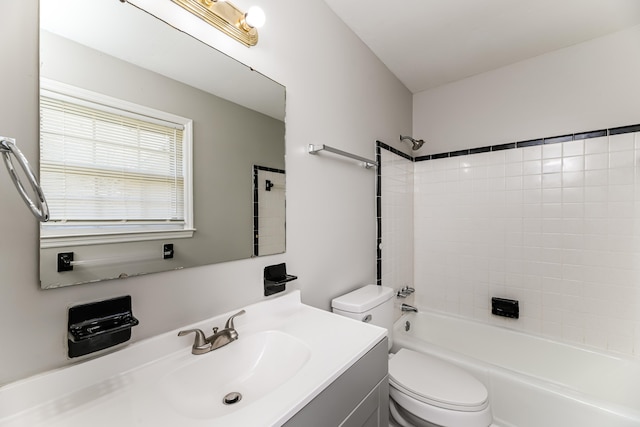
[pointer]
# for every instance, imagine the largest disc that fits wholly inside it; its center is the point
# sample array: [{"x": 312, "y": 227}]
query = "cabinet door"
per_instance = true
[
  {"x": 339, "y": 401},
  {"x": 373, "y": 410}
]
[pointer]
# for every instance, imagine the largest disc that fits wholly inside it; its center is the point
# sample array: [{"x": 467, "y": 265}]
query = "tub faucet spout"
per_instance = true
[{"x": 407, "y": 307}]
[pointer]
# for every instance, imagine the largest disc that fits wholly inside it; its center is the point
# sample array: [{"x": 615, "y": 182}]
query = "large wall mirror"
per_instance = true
[{"x": 157, "y": 152}]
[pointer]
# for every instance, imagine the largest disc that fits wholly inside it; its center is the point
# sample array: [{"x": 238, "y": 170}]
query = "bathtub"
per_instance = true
[{"x": 532, "y": 381}]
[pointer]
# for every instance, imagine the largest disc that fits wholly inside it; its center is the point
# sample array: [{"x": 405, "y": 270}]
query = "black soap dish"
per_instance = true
[
  {"x": 99, "y": 325},
  {"x": 505, "y": 307},
  {"x": 275, "y": 277}
]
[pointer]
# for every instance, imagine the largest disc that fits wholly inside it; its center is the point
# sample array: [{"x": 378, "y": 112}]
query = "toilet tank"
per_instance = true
[{"x": 370, "y": 304}]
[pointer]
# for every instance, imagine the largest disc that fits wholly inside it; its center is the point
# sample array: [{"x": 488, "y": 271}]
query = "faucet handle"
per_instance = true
[
  {"x": 229, "y": 323},
  {"x": 200, "y": 341}
]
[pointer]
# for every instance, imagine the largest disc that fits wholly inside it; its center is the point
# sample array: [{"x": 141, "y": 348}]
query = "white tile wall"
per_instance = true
[
  {"x": 556, "y": 227},
  {"x": 397, "y": 220}
]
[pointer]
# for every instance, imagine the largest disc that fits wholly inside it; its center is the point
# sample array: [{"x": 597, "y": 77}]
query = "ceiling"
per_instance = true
[
  {"x": 428, "y": 43},
  {"x": 115, "y": 28}
]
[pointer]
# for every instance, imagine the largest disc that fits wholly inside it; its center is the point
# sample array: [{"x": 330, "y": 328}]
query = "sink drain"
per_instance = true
[{"x": 231, "y": 398}]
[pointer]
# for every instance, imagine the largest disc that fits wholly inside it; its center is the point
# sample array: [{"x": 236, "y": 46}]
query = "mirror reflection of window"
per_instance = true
[{"x": 111, "y": 166}]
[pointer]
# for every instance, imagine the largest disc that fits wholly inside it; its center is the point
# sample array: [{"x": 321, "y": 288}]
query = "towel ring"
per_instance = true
[{"x": 39, "y": 209}]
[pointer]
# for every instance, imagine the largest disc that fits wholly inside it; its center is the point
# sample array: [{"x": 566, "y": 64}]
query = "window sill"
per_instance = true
[{"x": 59, "y": 241}]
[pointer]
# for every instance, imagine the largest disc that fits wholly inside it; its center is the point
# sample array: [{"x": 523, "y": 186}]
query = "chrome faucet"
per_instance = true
[
  {"x": 407, "y": 307},
  {"x": 203, "y": 344},
  {"x": 225, "y": 336},
  {"x": 405, "y": 292}
]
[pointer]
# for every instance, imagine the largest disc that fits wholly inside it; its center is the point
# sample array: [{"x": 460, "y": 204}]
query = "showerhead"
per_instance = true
[{"x": 416, "y": 144}]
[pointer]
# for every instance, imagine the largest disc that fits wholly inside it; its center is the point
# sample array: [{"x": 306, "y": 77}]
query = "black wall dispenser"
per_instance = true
[
  {"x": 505, "y": 307},
  {"x": 99, "y": 325},
  {"x": 275, "y": 277}
]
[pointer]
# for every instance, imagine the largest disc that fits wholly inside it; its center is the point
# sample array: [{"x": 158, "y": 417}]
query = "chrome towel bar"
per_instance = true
[
  {"x": 66, "y": 260},
  {"x": 39, "y": 208},
  {"x": 314, "y": 149}
]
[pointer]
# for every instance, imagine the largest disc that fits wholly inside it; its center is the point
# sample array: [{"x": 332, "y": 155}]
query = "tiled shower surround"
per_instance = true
[
  {"x": 395, "y": 254},
  {"x": 555, "y": 226}
]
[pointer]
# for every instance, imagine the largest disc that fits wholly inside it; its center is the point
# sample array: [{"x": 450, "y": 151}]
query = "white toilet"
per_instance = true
[{"x": 424, "y": 391}]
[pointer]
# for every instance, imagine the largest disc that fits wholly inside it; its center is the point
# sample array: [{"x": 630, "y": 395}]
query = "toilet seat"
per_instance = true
[{"x": 435, "y": 382}]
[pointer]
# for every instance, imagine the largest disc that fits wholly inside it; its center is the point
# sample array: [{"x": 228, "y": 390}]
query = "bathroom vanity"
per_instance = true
[
  {"x": 291, "y": 365},
  {"x": 359, "y": 397}
]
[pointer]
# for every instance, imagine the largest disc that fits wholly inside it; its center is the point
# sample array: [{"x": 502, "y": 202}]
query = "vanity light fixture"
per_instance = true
[{"x": 228, "y": 18}]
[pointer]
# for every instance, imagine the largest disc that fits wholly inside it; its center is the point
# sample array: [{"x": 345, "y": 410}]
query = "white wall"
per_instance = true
[
  {"x": 588, "y": 86},
  {"x": 556, "y": 226},
  {"x": 338, "y": 93}
]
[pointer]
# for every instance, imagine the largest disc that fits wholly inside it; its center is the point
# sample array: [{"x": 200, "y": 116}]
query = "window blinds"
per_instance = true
[{"x": 98, "y": 165}]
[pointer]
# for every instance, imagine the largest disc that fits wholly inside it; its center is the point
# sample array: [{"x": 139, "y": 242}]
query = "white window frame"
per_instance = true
[{"x": 60, "y": 235}]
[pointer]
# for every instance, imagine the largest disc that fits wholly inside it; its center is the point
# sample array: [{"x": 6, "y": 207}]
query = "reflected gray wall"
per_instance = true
[{"x": 228, "y": 140}]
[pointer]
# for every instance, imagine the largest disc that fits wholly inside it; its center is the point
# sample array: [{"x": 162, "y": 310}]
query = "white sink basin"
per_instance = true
[
  {"x": 252, "y": 366},
  {"x": 286, "y": 354}
]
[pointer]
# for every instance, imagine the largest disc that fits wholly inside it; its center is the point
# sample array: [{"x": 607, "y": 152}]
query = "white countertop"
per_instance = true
[{"x": 123, "y": 388}]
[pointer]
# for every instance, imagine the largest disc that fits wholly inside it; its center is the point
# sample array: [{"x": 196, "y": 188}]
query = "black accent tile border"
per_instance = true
[
  {"x": 519, "y": 144},
  {"x": 479, "y": 150},
  {"x": 557, "y": 139},
  {"x": 530, "y": 143},
  {"x": 379, "y": 146},
  {"x": 459, "y": 153},
  {"x": 624, "y": 129},
  {"x": 268, "y": 169},
  {"x": 591, "y": 134},
  {"x": 501, "y": 147},
  {"x": 255, "y": 211}
]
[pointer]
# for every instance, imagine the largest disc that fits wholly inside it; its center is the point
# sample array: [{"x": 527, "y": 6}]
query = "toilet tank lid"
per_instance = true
[{"x": 362, "y": 299}]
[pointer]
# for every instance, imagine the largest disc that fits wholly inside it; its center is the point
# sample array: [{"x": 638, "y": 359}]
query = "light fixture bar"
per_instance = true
[{"x": 224, "y": 16}]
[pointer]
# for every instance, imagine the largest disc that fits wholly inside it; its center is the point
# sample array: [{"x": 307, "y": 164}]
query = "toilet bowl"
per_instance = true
[
  {"x": 424, "y": 391},
  {"x": 428, "y": 391}
]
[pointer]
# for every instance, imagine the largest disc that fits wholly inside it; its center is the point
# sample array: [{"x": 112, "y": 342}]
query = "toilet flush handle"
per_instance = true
[{"x": 367, "y": 318}]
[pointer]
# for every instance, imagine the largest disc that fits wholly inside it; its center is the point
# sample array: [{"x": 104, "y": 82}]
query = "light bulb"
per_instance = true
[{"x": 254, "y": 17}]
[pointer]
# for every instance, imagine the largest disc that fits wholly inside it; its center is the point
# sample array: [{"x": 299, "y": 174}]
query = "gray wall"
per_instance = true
[
  {"x": 228, "y": 140},
  {"x": 338, "y": 93}
]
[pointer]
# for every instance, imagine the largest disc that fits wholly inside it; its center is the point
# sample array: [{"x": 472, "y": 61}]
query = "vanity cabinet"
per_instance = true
[{"x": 357, "y": 398}]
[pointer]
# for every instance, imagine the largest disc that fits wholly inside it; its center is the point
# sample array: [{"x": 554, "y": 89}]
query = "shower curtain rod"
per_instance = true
[{"x": 314, "y": 149}]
